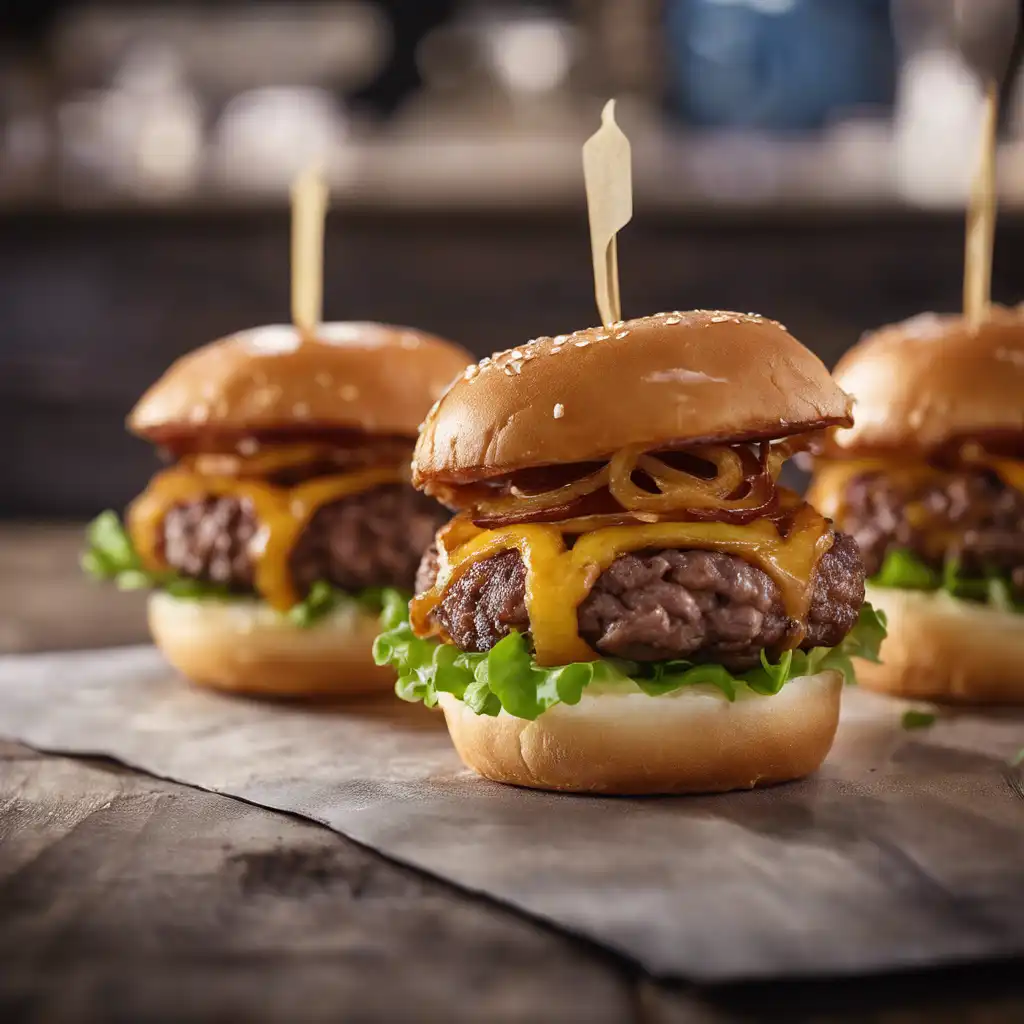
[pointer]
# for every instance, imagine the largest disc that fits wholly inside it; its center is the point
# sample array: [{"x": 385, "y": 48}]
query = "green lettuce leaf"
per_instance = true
[
  {"x": 507, "y": 676},
  {"x": 915, "y": 718},
  {"x": 902, "y": 569},
  {"x": 110, "y": 555},
  {"x": 324, "y": 598}
]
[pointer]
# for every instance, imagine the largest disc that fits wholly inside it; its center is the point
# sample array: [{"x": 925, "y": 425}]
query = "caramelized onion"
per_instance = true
[
  {"x": 271, "y": 462},
  {"x": 679, "y": 490},
  {"x": 733, "y": 484}
]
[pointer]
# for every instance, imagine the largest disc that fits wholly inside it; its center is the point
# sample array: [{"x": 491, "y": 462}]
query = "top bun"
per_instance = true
[
  {"x": 931, "y": 380},
  {"x": 352, "y": 376},
  {"x": 659, "y": 381}
]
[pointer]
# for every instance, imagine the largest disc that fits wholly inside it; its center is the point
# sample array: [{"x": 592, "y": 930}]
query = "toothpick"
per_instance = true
[
  {"x": 309, "y": 208},
  {"x": 981, "y": 218},
  {"x": 607, "y": 174}
]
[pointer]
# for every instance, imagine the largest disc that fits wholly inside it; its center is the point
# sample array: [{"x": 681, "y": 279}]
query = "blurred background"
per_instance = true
[{"x": 807, "y": 159}]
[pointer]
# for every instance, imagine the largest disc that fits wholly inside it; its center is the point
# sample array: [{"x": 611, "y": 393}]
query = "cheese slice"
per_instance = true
[
  {"x": 282, "y": 512},
  {"x": 559, "y": 577}
]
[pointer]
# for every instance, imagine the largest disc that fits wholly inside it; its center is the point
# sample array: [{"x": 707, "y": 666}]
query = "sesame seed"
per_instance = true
[
  {"x": 719, "y": 319},
  {"x": 582, "y": 344},
  {"x": 301, "y": 409},
  {"x": 349, "y": 392},
  {"x": 621, "y": 335},
  {"x": 471, "y": 372},
  {"x": 325, "y": 380},
  {"x": 561, "y": 339},
  {"x": 673, "y": 320},
  {"x": 601, "y": 337},
  {"x": 559, "y": 411}
]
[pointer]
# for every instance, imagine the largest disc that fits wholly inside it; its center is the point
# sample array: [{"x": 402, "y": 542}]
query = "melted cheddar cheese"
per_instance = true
[
  {"x": 558, "y": 577},
  {"x": 282, "y": 513},
  {"x": 832, "y": 478}
]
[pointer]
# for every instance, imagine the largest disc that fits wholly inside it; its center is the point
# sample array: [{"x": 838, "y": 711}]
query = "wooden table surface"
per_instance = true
[{"x": 126, "y": 898}]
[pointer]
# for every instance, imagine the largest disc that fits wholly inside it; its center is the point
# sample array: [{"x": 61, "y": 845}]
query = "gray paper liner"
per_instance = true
[{"x": 907, "y": 849}]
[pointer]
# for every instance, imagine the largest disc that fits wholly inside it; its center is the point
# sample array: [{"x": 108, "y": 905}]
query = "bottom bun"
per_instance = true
[
  {"x": 693, "y": 741},
  {"x": 245, "y": 646},
  {"x": 942, "y": 649}
]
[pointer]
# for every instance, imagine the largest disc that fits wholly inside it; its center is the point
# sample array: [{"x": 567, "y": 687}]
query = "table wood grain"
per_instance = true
[{"x": 125, "y": 898}]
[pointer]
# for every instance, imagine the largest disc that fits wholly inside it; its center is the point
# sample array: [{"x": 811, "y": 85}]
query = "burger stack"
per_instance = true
[
  {"x": 286, "y": 512},
  {"x": 627, "y": 600},
  {"x": 930, "y": 482}
]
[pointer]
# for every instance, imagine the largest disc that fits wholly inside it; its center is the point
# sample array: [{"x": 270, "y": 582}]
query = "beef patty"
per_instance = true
[
  {"x": 371, "y": 539},
  {"x": 973, "y": 517},
  {"x": 656, "y": 605}
]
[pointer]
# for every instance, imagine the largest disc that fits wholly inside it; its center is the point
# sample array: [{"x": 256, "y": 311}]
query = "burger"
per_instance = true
[
  {"x": 930, "y": 483},
  {"x": 626, "y": 600},
  {"x": 287, "y": 511}
]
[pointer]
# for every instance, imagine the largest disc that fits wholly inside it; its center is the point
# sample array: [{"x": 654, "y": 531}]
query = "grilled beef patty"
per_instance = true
[
  {"x": 656, "y": 605},
  {"x": 371, "y": 539},
  {"x": 983, "y": 517}
]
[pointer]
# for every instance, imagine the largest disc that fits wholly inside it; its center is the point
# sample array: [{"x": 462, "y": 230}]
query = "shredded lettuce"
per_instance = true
[
  {"x": 902, "y": 569},
  {"x": 915, "y": 718},
  {"x": 110, "y": 555},
  {"x": 507, "y": 677},
  {"x": 324, "y": 598}
]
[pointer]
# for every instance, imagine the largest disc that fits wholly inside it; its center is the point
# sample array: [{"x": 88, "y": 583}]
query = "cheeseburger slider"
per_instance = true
[
  {"x": 287, "y": 508},
  {"x": 627, "y": 601},
  {"x": 930, "y": 483}
]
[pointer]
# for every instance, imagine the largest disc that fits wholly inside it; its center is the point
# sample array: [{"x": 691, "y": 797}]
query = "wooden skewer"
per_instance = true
[
  {"x": 309, "y": 208},
  {"x": 607, "y": 174},
  {"x": 981, "y": 218}
]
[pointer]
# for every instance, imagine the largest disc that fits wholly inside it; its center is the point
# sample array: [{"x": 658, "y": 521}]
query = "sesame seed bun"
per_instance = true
[
  {"x": 352, "y": 376},
  {"x": 931, "y": 380},
  {"x": 943, "y": 649},
  {"x": 244, "y": 646},
  {"x": 669, "y": 379},
  {"x": 692, "y": 741}
]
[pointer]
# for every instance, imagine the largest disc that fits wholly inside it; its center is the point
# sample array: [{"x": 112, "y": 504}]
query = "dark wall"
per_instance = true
[{"x": 94, "y": 306}]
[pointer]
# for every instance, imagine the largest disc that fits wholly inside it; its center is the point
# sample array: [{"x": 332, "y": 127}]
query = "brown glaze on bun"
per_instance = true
[
  {"x": 369, "y": 377},
  {"x": 931, "y": 380},
  {"x": 669, "y": 379}
]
